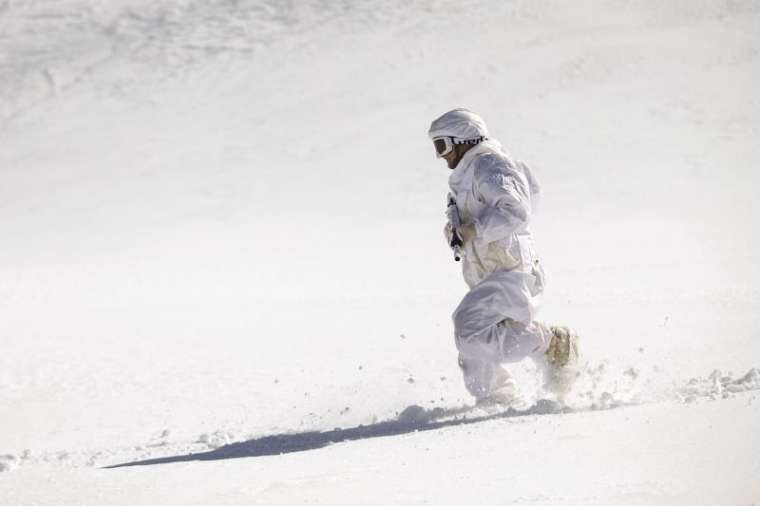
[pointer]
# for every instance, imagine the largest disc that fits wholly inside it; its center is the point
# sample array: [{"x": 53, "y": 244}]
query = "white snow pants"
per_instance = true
[{"x": 494, "y": 324}]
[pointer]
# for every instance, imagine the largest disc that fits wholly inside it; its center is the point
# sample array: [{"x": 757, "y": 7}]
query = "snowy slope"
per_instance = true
[{"x": 221, "y": 221}]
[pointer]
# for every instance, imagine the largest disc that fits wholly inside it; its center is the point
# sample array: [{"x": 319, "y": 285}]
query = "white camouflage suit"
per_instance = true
[{"x": 495, "y": 197}]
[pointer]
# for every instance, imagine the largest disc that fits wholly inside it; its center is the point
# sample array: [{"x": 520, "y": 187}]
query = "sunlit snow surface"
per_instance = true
[{"x": 221, "y": 251}]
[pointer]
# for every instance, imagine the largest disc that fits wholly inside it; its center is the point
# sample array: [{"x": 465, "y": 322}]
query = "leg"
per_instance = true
[
  {"x": 494, "y": 322},
  {"x": 518, "y": 340},
  {"x": 480, "y": 361},
  {"x": 492, "y": 325},
  {"x": 482, "y": 378}
]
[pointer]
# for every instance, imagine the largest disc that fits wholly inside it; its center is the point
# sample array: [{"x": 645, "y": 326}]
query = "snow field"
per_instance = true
[{"x": 221, "y": 222}]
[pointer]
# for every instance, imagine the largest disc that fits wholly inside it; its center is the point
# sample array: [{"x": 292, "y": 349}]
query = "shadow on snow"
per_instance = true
[{"x": 412, "y": 419}]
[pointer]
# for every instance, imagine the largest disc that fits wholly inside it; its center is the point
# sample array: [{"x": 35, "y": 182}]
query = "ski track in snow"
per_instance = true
[{"x": 596, "y": 389}]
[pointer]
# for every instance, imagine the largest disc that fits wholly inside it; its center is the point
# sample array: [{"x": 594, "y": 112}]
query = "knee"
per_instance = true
[
  {"x": 458, "y": 321},
  {"x": 464, "y": 323},
  {"x": 475, "y": 345}
]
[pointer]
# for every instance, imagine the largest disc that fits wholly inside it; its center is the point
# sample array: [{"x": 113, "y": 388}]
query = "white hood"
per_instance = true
[{"x": 459, "y": 124}]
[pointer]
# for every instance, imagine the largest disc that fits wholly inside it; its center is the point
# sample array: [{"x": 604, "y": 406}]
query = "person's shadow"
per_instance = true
[{"x": 412, "y": 419}]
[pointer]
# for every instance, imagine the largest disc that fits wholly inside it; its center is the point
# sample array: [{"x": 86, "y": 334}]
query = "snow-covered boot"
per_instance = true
[
  {"x": 561, "y": 368},
  {"x": 489, "y": 382},
  {"x": 503, "y": 396}
]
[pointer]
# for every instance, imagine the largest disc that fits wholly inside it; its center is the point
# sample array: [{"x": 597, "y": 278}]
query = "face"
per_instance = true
[
  {"x": 455, "y": 155},
  {"x": 452, "y": 158}
]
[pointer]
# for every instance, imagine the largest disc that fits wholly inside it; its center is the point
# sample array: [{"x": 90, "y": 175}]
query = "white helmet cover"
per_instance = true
[{"x": 461, "y": 124}]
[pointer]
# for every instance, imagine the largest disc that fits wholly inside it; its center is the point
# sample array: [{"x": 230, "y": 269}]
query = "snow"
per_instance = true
[{"x": 221, "y": 235}]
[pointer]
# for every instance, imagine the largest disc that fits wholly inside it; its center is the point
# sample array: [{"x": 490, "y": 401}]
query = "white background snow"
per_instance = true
[{"x": 220, "y": 221}]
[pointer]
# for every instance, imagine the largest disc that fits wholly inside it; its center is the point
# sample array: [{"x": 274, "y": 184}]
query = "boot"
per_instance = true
[
  {"x": 561, "y": 368},
  {"x": 504, "y": 397},
  {"x": 489, "y": 382}
]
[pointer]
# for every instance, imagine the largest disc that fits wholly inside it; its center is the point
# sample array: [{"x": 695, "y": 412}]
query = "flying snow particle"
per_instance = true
[{"x": 8, "y": 463}]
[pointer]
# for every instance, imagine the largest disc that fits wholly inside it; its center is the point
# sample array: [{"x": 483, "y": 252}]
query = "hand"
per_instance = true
[
  {"x": 448, "y": 233},
  {"x": 467, "y": 233}
]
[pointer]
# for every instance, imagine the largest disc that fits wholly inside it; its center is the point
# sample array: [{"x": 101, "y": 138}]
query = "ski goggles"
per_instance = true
[{"x": 445, "y": 145}]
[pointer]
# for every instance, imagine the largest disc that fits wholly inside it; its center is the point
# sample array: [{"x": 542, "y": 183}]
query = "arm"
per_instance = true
[{"x": 506, "y": 198}]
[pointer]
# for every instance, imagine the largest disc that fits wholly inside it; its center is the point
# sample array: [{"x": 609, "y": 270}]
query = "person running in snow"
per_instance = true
[{"x": 490, "y": 205}]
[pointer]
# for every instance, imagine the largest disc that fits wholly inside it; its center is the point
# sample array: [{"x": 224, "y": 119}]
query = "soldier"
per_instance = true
[{"x": 490, "y": 205}]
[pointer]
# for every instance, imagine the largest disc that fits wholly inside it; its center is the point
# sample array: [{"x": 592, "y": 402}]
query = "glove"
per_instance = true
[
  {"x": 448, "y": 233},
  {"x": 466, "y": 232}
]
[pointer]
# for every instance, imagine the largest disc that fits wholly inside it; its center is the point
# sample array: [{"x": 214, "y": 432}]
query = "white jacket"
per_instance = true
[{"x": 497, "y": 196}]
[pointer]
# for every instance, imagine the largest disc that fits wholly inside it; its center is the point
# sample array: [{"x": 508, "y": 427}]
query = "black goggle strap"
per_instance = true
[{"x": 474, "y": 141}]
